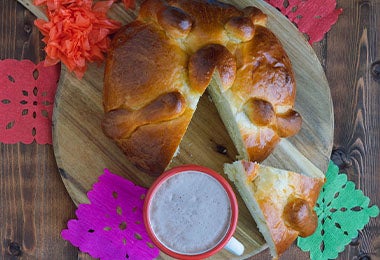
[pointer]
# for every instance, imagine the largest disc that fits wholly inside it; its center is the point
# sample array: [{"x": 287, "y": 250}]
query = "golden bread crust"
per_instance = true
[
  {"x": 149, "y": 146},
  {"x": 137, "y": 69},
  {"x": 121, "y": 123},
  {"x": 179, "y": 46},
  {"x": 206, "y": 60},
  {"x": 210, "y": 18},
  {"x": 265, "y": 90},
  {"x": 265, "y": 70}
]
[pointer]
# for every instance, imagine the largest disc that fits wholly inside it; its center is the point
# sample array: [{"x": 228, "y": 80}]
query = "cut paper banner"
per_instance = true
[
  {"x": 111, "y": 227},
  {"x": 313, "y": 18},
  {"x": 342, "y": 211},
  {"x": 27, "y": 95}
]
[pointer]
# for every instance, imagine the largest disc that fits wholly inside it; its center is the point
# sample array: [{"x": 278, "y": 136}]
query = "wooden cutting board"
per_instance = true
[{"x": 82, "y": 151}]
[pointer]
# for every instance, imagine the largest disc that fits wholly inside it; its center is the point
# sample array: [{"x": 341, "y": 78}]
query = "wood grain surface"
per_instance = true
[
  {"x": 82, "y": 151},
  {"x": 35, "y": 205}
]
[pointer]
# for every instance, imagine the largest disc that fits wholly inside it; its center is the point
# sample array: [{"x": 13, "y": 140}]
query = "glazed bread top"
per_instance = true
[{"x": 159, "y": 65}]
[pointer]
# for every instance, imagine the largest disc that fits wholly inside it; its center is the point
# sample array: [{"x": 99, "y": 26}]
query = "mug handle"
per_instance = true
[{"x": 234, "y": 246}]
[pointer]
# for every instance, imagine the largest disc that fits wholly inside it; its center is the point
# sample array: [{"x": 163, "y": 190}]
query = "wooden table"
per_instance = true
[{"x": 35, "y": 207}]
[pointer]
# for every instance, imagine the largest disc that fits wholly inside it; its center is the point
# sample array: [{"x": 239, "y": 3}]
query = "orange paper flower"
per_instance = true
[
  {"x": 76, "y": 32},
  {"x": 54, "y": 4}
]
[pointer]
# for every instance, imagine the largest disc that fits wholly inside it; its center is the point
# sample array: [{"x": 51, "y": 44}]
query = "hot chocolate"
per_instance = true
[{"x": 190, "y": 213}]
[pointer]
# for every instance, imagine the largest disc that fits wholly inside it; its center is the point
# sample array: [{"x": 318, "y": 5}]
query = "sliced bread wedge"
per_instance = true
[{"x": 280, "y": 201}]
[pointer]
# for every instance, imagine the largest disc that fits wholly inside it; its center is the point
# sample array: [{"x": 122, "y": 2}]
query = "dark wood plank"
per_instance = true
[
  {"x": 34, "y": 203},
  {"x": 357, "y": 134}
]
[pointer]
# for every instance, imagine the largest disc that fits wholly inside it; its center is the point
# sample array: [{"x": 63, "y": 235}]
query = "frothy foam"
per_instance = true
[{"x": 190, "y": 213}]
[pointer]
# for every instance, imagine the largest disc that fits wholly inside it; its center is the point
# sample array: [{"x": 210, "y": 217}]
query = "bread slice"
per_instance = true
[
  {"x": 257, "y": 109},
  {"x": 280, "y": 201}
]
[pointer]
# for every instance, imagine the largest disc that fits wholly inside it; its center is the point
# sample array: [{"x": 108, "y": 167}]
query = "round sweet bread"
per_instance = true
[{"x": 159, "y": 65}]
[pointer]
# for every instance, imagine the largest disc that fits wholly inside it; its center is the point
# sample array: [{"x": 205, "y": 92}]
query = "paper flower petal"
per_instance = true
[{"x": 77, "y": 32}]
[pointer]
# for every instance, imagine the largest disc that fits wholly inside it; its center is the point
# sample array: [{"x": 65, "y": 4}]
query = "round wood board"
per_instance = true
[{"x": 82, "y": 151}]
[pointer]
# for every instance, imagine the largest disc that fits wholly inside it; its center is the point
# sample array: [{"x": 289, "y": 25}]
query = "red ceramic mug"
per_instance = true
[{"x": 191, "y": 212}]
